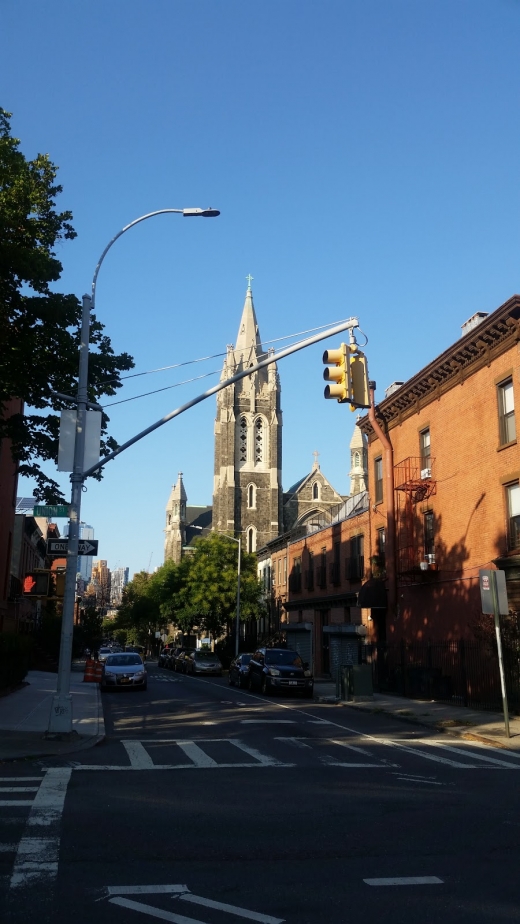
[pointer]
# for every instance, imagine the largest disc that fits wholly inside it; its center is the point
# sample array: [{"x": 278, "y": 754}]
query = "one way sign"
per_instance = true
[{"x": 60, "y": 546}]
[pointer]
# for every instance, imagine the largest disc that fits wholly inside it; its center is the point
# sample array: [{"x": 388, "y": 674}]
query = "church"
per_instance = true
[{"x": 248, "y": 499}]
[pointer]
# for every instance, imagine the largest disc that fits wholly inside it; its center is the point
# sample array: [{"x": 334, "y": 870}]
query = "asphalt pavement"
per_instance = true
[{"x": 206, "y": 804}]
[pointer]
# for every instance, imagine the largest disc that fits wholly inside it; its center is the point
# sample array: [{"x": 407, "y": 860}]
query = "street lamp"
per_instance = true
[{"x": 60, "y": 720}]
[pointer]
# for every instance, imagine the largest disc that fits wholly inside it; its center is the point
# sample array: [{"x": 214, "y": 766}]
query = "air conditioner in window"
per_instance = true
[
  {"x": 426, "y": 473},
  {"x": 430, "y": 558}
]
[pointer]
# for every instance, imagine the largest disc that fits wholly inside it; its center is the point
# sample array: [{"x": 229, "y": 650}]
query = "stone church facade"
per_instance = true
[{"x": 247, "y": 488}]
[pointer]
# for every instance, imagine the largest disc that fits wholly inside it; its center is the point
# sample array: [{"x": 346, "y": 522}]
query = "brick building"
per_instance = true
[{"x": 449, "y": 479}]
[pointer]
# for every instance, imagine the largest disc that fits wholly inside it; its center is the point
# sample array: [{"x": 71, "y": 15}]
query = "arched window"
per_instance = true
[
  {"x": 357, "y": 459},
  {"x": 242, "y": 440},
  {"x": 251, "y": 539},
  {"x": 259, "y": 440},
  {"x": 316, "y": 491},
  {"x": 251, "y": 496}
]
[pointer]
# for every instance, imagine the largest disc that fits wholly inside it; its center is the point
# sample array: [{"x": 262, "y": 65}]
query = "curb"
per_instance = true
[{"x": 460, "y": 732}]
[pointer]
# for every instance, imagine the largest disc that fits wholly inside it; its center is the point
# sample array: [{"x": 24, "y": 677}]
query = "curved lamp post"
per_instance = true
[{"x": 60, "y": 721}]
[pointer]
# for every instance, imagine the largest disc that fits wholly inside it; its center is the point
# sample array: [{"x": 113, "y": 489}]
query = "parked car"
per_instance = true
[
  {"x": 178, "y": 660},
  {"x": 124, "y": 669},
  {"x": 165, "y": 657},
  {"x": 103, "y": 653},
  {"x": 239, "y": 670},
  {"x": 273, "y": 669},
  {"x": 202, "y": 662}
]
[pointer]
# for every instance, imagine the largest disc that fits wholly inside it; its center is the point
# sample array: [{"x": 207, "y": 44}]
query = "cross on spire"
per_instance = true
[
  {"x": 249, "y": 278},
  {"x": 316, "y": 463}
]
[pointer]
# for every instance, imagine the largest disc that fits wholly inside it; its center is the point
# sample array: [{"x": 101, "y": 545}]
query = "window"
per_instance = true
[
  {"x": 259, "y": 440},
  {"x": 357, "y": 459},
  {"x": 378, "y": 479},
  {"x": 513, "y": 515},
  {"x": 251, "y": 496},
  {"x": 424, "y": 445},
  {"x": 381, "y": 546},
  {"x": 242, "y": 440},
  {"x": 279, "y": 570},
  {"x": 506, "y": 412},
  {"x": 315, "y": 491},
  {"x": 285, "y": 570},
  {"x": 356, "y": 560},
  {"x": 251, "y": 539},
  {"x": 429, "y": 538}
]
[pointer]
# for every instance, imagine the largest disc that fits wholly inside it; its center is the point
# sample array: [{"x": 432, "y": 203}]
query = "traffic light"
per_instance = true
[
  {"x": 339, "y": 373},
  {"x": 59, "y": 578},
  {"x": 349, "y": 375},
  {"x": 36, "y": 584}
]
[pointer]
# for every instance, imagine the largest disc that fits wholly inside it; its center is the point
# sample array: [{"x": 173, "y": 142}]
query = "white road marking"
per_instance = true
[
  {"x": 37, "y": 857},
  {"x": 231, "y": 909},
  {"x": 267, "y": 722},
  {"x": 263, "y": 759},
  {"x": 350, "y": 747},
  {"x": 138, "y": 755},
  {"x": 19, "y": 788},
  {"x": 474, "y": 756},
  {"x": 7, "y": 848},
  {"x": 146, "y": 889},
  {"x": 196, "y": 754},
  {"x": 411, "y": 779},
  {"x": 24, "y": 779},
  {"x": 330, "y": 762},
  {"x": 296, "y": 742},
  {"x": 4, "y": 803},
  {"x": 319, "y": 722},
  {"x": 405, "y": 880},
  {"x": 153, "y": 912}
]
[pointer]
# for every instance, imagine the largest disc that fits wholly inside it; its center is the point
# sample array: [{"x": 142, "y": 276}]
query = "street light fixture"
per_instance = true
[{"x": 60, "y": 720}]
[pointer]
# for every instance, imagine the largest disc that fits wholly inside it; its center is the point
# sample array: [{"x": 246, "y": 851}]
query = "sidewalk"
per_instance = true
[
  {"x": 24, "y": 718},
  {"x": 471, "y": 724}
]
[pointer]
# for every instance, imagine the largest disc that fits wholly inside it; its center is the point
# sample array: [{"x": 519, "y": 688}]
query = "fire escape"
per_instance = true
[{"x": 414, "y": 484}]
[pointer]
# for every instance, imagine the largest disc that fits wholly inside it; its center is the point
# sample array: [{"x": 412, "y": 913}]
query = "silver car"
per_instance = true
[
  {"x": 103, "y": 654},
  {"x": 124, "y": 670},
  {"x": 202, "y": 662}
]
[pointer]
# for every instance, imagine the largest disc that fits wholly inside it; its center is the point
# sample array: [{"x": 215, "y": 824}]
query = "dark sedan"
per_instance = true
[
  {"x": 239, "y": 670},
  {"x": 279, "y": 669}
]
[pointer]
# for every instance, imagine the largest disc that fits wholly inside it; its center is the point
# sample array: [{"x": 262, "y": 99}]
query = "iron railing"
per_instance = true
[{"x": 459, "y": 672}]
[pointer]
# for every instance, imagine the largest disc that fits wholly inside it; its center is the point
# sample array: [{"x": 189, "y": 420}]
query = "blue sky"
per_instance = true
[{"x": 364, "y": 156}]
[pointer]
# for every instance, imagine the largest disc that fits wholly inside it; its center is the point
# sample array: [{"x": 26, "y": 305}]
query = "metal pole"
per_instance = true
[
  {"x": 237, "y": 634},
  {"x": 493, "y": 583},
  {"x": 60, "y": 720}
]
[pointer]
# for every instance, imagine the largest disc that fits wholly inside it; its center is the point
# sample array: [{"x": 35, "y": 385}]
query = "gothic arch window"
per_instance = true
[
  {"x": 242, "y": 440},
  {"x": 316, "y": 490},
  {"x": 251, "y": 539},
  {"x": 357, "y": 459},
  {"x": 169, "y": 519},
  {"x": 259, "y": 440},
  {"x": 251, "y": 496}
]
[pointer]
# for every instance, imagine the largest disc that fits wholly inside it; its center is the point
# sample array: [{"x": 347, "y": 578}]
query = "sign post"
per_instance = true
[{"x": 494, "y": 603}]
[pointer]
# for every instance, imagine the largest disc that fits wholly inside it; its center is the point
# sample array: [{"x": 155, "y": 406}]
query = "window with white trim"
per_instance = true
[
  {"x": 513, "y": 514},
  {"x": 251, "y": 539},
  {"x": 251, "y": 496},
  {"x": 242, "y": 440},
  {"x": 259, "y": 440},
  {"x": 316, "y": 490},
  {"x": 506, "y": 412}
]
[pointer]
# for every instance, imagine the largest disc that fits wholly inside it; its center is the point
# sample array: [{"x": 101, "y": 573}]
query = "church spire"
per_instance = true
[{"x": 248, "y": 336}]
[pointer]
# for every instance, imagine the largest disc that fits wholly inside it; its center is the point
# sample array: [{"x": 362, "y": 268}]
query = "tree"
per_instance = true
[
  {"x": 211, "y": 585},
  {"x": 39, "y": 328},
  {"x": 139, "y": 612}
]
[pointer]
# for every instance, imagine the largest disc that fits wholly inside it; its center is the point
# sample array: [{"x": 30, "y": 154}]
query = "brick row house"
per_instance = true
[{"x": 401, "y": 561}]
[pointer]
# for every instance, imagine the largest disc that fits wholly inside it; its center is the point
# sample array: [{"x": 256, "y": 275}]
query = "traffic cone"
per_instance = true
[
  {"x": 89, "y": 671},
  {"x": 97, "y": 672}
]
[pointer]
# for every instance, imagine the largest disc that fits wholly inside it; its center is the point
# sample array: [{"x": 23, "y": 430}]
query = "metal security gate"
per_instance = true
[{"x": 299, "y": 638}]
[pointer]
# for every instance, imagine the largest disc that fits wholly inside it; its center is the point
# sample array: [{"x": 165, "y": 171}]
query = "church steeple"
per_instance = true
[
  {"x": 175, "y": 531},
  {"x": 358, "y": 462},
  {"x": 248, "y": 337}
]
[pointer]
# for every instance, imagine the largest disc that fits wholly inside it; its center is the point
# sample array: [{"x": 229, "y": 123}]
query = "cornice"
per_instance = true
[{"x": 476, "y": 349}]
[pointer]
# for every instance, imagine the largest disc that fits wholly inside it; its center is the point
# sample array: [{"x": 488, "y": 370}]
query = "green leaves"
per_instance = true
[{"x": 39, "y": 328}]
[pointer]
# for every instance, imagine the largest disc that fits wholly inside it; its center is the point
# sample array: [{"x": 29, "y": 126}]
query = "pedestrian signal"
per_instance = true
[{"x": 36, "y": 584}]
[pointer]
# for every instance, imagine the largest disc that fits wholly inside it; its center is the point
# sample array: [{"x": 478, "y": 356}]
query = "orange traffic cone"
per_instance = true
[
  {"x": 97, "y": 672},
  {"x": 89, "y": 671}
]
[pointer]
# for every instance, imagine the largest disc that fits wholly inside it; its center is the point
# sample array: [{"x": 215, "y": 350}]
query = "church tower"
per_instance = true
[
  {"x": 247, "y": 490},
  {"x": 175, "y": 532},
  {"x": 358, "y": 462}
]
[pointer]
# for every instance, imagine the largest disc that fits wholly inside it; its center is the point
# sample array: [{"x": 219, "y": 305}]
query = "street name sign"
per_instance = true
[
  {"x": 61, "y": 546},
  {"x": 52, "y": 510}
]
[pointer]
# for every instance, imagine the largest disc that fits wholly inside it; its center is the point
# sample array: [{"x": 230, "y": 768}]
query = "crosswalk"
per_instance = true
[{"x": 284, "y": 751}]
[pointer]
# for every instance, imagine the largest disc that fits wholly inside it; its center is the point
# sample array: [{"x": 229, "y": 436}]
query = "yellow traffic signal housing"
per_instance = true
[
  {"x": 339, "y": 373},
  {"x": 360, "y": 395},
  {"x": 59, "y": 578},
  {"x": 349, "y": 375}
]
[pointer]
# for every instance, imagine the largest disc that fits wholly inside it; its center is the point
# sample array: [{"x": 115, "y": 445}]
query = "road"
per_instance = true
[{"x": 207, "y": 805}]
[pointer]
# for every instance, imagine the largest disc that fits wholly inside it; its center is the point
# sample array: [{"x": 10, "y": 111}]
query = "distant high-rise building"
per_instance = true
[
  {"x": 118, "y": 582},
  {"x": 100, "y": 583}
]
